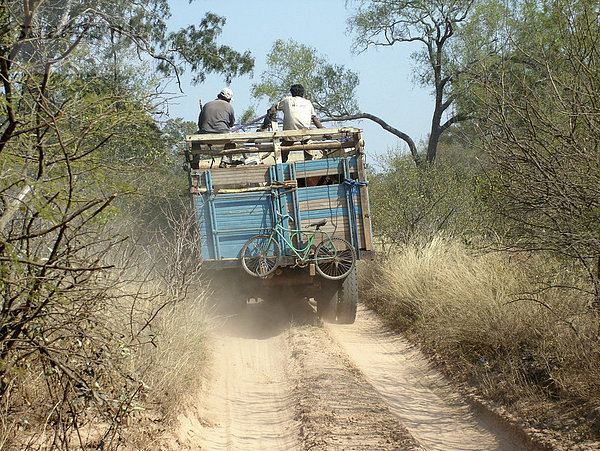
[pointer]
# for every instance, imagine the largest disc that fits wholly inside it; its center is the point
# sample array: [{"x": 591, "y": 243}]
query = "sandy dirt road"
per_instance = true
[
  {"x": 417, "y": 394},
  {"x": 247, "y": 402},
  {"x": 281, "y": 380}
]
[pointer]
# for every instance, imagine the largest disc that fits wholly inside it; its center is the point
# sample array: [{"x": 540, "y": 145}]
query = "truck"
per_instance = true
[{"x": 242, "y": 186}]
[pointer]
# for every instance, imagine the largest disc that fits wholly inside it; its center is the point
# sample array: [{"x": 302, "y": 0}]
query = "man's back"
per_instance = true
[
  {"x": 297, "y": 112},
  {"x": 217, "y": 116}
]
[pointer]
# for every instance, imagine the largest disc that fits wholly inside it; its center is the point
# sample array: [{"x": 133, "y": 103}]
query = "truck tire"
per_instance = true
[
  {"x": 327, "y": 300},
  {"x": 347, "y": 299}
]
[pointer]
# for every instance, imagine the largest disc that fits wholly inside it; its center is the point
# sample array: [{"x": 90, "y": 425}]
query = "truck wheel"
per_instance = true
[
  {"x": 327, "y": 300},
  {"x": 347, "y": 298}
]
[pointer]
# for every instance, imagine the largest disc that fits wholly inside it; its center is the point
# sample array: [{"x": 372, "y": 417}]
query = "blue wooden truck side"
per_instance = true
[{"x": 235, "y": 203}]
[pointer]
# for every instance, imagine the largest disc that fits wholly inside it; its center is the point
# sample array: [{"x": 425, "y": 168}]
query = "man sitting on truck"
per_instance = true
[
  {"x": 298, "y": 113},
  {"x": 217, "y": 116}
]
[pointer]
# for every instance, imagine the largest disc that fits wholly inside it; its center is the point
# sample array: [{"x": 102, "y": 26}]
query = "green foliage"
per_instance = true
[
  {"x": 248, "y": 115},
  {"x": 197, "y": 44},
  {"x": 82, "y": 151},
  {"x": 380, "y": 22},
  {"x": 537, "y": 119},
  {"x": 410, "y": 203},
  {"x": 434, "y": 26},
  {"x": 330, "y": 87}
]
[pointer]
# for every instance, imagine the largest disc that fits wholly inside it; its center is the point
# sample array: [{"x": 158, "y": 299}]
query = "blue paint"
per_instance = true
[{"x": 227, "y": 221}]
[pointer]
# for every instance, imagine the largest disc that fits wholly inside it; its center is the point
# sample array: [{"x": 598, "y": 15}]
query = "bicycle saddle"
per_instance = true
[{"x": 318, "y": 224}]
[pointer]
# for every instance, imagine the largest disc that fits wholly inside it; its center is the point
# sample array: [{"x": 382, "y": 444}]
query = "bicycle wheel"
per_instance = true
[
  {"x": 260, "y": 255},
  {"x": 335, "y": 258}
]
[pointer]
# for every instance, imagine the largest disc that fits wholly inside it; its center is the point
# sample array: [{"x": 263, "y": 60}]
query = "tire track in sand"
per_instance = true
[
  {"x": 279, "y": 382},
  {"x": 416, "y": 393},
  {"x": 247, "y": 404}
]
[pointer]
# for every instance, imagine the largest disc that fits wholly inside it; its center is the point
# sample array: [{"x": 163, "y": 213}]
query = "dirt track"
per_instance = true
[{"x": 281, "y": 380}]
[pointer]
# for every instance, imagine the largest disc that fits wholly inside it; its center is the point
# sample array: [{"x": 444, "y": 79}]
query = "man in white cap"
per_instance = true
[{"x": 217, "y": 116}]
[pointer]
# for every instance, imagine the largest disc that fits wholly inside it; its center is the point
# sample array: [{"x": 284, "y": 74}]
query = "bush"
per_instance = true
[
  {"x": 496, "y": 319},
  {"x": 127, "y": 343},
  {"x": 410, "y": 203}
]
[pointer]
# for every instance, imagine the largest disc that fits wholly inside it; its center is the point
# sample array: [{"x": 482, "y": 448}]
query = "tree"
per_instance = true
[
  {"x": 431, "y": 23},
  {"x": 43, "y": 35},
  {"x": 414, "y": 205},
  {"x": 538, "y": 118},
  {"x": 78, "y": 126},
  {"x": 331, "y": 87}
]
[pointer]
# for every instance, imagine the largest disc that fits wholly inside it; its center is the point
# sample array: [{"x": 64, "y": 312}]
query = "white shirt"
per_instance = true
[{"x": 297, "y": 112}]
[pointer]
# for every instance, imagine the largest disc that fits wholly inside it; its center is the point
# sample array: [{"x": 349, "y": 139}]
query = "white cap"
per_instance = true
[{"x": 226, "y": 93}]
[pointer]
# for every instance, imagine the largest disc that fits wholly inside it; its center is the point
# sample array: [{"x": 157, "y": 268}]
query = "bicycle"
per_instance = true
[{"x": 333, "y": 257}]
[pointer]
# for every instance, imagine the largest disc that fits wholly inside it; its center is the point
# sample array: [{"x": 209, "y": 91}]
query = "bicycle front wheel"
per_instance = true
[
  {"x": 260, "y": 255},
  {"x": 335, "y": 258}
]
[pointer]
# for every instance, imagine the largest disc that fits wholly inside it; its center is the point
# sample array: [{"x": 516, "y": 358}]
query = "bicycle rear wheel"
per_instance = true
[
  {"x": 335, "y": 258},
  {"x": 260, "y": 255}
]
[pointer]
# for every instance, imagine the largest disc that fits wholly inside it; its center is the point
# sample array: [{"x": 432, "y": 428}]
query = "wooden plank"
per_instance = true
[
  {"x": 242, "y": 180},
  {"x": 221, "y": 138},
  {"x": 355, "y": 143},
  {"x": 232, "y": 190},
  {"x": 364, "y": 199},
  {"x": 322, "y": 204},
  {"x": 334, "y": 165},
  {"x": 241, "y": 170},
  {"x": 199, "y": 149},
  {"x": 240, "y": 176},
  {"x": 338, "y": 153},
  {"x": 321, "y": 173},
  {"x": 321, "y": 192}
]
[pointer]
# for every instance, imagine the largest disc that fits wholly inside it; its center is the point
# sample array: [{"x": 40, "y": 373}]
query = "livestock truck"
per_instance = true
[{"x": 271, "y": 229}]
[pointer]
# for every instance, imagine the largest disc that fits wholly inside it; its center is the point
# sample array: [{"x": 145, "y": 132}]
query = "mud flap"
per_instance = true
[{"x": 327, "y": 300}]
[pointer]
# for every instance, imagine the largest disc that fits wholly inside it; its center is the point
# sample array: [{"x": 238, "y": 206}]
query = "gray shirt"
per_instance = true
[{"x": 216, "y": 117}]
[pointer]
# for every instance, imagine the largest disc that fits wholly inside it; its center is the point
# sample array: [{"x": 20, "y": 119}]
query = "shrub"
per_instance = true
[
  {"x": 500, "y": 320},
  {"x": 410, "y": 203}
]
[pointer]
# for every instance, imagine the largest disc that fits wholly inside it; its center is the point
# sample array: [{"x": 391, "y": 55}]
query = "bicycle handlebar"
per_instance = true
[{"x": 284, "y": 216}]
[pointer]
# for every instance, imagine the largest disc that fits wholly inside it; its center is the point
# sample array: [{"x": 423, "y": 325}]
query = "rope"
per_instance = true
[
  {"x": 354, "y": 183},
  {"x": 284, "y": 184},
  {"x": 243, "y": 126},
  {"x": 352, "y": 187}
]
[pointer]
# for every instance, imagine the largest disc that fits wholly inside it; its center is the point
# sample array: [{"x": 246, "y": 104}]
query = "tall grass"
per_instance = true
[
  {"x": 126, "y": 363},
  {"x": 517, "y": 327},
  {"x": 171, "y": 318},
  {"x": 172, "y": 360}
]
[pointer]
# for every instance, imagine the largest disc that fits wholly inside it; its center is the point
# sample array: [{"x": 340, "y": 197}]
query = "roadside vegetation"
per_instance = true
[
  {"x": 489, "y": 232},
  {"x": 490, "y": 258},
  {"x": 101, "y": 316},
  {"x": 493, "y": 323}
]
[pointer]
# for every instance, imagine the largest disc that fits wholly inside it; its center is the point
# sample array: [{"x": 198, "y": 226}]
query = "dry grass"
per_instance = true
[
  {"x": 173, "y": 362},
  {"x": 505, "y": 323},
  {"x": 149, "y": 374},
  {"x": 141, "y": 350}
]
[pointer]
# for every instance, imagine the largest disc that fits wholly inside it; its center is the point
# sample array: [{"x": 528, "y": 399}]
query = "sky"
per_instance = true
[{"x": 386, "y": 87}]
